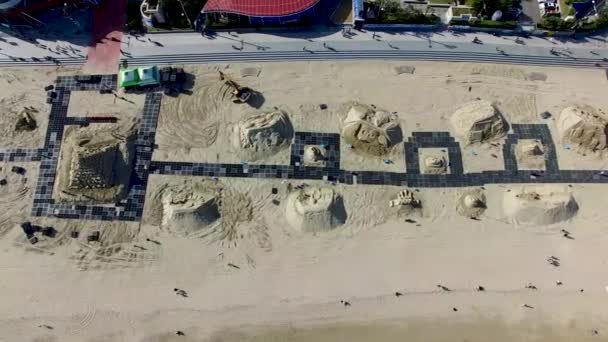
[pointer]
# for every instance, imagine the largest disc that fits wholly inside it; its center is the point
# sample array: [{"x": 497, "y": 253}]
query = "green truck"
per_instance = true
[{"x": 139, "y": 77}]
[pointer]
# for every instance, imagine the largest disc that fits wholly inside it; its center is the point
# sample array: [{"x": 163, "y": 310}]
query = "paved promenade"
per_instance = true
[{"x": 321, "y": 45}]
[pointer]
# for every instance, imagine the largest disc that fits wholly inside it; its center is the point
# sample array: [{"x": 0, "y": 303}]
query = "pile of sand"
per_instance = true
[
  {"x": 313, "y": 209},
  {"x": 530, "y": 155},
  {"x": 478, "y": 121},
  {"x": 584, "y": 126},
  {"x": 539, "y": 205},
  {"x": 202, "y": 208},
  {"x": 188, "y": 210},
  {"x": 263, "y": 134},
  {"x": 371, "y": 130},
  {"x": 96, "y": 162},
  {"x": 471, "y": 203}
]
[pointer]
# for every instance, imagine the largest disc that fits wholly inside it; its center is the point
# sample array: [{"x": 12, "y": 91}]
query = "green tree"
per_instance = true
[
  {"x": 134, "y": 19},
  {"x": 180, "y": 13},
  {"x": 488, "y": 7}
]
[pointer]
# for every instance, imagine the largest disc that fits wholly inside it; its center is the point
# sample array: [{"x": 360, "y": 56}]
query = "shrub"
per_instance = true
[
  {"x": 494, "y": 24},
  {"x": 488, "y": 7},
  {"x": 175, "y": 14},
  {"x": 553, "y": 23},
  {"x": 409, "y": 15}
]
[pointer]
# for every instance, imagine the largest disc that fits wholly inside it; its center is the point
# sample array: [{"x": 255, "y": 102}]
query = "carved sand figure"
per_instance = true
[
  {"x": 478, "y": 121},
  {"x": 371, "y": 130},
  {"x": 314, "y": 209},
  {"x": 584, "y": 126},
  {"x": 263, "y": 133},
  {"x": 95, "y": 164},
  {"x": 539, "y": 205},
  {"x": 471, "y": 203},
  {"x": 530, "y": 155}
]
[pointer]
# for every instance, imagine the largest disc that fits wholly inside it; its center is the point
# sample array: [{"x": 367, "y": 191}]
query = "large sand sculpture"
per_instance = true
[
  {"x": 263, "y": 133},
  {"x": 96, "y": 163},
  {"x": 370, "y": 130},
  {"x": 314, "y": 209},
  {"x": 583, "y": 126},
  {"x": 478, "y": 121},
  {"x": 539, "y": 205},
  {"x": 93, "y": 164},
  {"x": 201, "y": 208},
  {"x": 187, "y": 211}
]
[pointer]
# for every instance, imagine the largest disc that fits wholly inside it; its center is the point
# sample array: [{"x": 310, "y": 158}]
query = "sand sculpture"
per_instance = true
[
  {"x": 435, "y": 164},
  {"x": 26, "y": 121},
  {"x": 201, "y": 208},
  {"x": 478, "y": 121},
  {"x": 405, "y": 204},
  {"x": 186, "y": 212},
  {"x": 584, "y": 126},
  {"x": 96, "y": 162},
  {"x": 93, "y": 164},
  {"x": 370, "y": 130},
  {"x": 314, "y": 156},
  {"x": 264, "y": 132},
  {"x": 471, "y": 203},
  {"x": 314, "y": 209},
  {"x": 530, "y": 154},
  {"x": 539, "y": 205},
  {"x": 405, "y": 198}
]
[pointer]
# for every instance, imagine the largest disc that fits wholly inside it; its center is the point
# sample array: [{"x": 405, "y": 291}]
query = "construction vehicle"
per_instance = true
[
  {"x": 172, "y": 80},
  {"x": 239, "y": 94}
]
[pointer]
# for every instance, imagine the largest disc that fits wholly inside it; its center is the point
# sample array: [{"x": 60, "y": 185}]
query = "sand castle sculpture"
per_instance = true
[
  {"x": 314, "y": 209},
  {"x": 471, "y": 203},
  {"x": 264, "y": 132},
  {"x": 93, "y": 164},
  {"x": 539, "y": 205},
  {"x": 371, "y": 130},
  {"x": 96, "y": 163},
  {"x": 478, "y": 121},
  {"x": 583, "y": 126},
  {"x": 530, "y": 154}
]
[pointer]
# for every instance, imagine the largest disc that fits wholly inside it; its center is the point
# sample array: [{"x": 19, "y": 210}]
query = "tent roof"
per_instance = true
[{"x": 259, "y": 8}]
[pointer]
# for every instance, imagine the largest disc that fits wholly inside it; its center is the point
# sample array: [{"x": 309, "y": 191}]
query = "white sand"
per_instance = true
[
  {"x": 92, "y": 103},
  {"x": 122, "y": 288},
  {"x": 25, "y": 87}
]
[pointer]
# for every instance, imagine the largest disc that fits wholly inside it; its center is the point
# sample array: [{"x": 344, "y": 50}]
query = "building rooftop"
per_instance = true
[{"x": 259, "y": 7}]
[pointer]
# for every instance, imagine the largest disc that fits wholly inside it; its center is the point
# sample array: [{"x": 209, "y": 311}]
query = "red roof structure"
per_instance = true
[{"x": 259, "y": 8}]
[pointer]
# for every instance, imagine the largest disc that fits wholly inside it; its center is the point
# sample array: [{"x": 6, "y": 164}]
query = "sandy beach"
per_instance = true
[{"x": 383, "y": 272}]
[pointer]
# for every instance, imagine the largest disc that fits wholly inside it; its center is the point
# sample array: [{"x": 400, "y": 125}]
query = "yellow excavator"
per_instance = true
[{"x": 239, "y": 94}]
